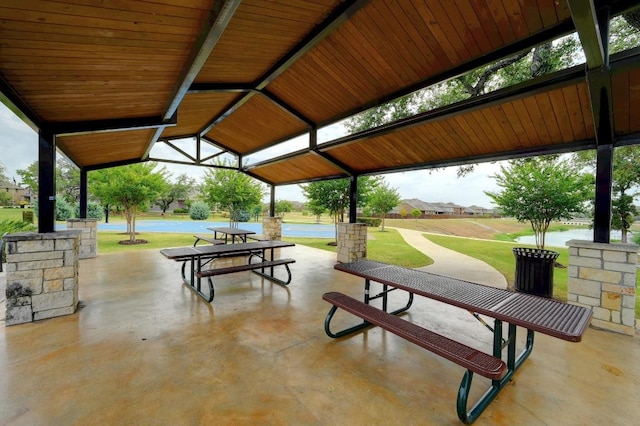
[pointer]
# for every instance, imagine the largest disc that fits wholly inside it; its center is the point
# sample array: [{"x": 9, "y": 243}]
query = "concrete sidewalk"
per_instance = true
[{"x": 451, "y": 263}]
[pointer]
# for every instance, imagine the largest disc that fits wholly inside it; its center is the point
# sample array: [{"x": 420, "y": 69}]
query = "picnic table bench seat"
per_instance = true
[
  {"x": 247, "y": 267},
  {"x": 472, "y": 359},
  {"x": 208, "y": 238}
]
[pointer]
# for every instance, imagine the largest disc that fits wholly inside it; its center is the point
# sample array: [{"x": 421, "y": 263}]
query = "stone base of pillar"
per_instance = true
[
  {"x": 603, "y": 277},
  {"x": 352, "y": 242},
  {"x": 42, "y": 275},
  {"x": 89, "y": 237},
  {"x": 272, "y": 228}
]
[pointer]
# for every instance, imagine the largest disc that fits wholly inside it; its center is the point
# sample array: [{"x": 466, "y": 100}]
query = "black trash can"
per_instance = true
[{"x": 534, "y": 271}]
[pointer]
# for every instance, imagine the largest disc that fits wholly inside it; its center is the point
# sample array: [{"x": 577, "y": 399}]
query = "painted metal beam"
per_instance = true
[
  {"x": 219, "y": 17},
  {"x": 542, "y": 84},
  {"x": 46, "y": 182},
  {"x": 319, "y": 33},
  {"x": 109, "y": 125},
  {"x": 585, "y": 18}
]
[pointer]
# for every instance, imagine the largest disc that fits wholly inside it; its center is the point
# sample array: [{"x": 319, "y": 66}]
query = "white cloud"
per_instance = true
[{"x": 18, "y": 143}]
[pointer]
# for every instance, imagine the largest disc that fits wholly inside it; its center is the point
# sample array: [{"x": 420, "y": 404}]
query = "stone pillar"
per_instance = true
[
  {"x": 272, "y": 228},
  {"x": 603, "y": 277},
  {"x": 352, "y": 242},
  {"x": 42, "y": 275},
  {"x": 88, "y": 238}
]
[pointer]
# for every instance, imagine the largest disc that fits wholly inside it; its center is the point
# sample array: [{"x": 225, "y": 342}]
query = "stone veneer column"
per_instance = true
[
  {"x": 352, "y": 242},
  {"x": 89, "y": 237},
  {"x": 272, "y": 228},
  {"x": 42, "y": 275},
  {"x": 603, "y": 277}
]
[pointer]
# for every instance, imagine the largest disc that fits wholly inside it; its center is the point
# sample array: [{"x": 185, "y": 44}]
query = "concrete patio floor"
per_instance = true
[{"x": 144, "y": 349}]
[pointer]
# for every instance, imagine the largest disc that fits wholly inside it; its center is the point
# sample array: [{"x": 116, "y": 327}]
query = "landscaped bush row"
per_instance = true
[{"x": 371, "y": 222}]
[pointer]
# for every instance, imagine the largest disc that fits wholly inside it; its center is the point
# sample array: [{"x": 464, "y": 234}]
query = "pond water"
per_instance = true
[{"x": 559, "y": 239}]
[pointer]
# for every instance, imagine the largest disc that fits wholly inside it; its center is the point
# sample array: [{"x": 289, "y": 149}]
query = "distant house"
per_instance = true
[
  {"x": 427, "y": 209},
  {"x": 18, "y": 196}
]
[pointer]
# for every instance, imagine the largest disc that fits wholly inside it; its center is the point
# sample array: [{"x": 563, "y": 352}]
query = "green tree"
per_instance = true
[
  {"x": 283, "y": 206},
  {"x": 3, "y": 173},
  {"x": 541, "y": 190},
  {"x": 29, "y": 176},
  {"x": 383, "y": 199},
  {"x": 67, "y": 181},
  {"x": 625, "y": 185},
  {"x": 133, "y": 187},
  {"x": 416, "y": 214},
  {"x": 5, "y": 198},
  {"x": 333, "y": 194},
  {"x": 174, "y": 191},
  {"x": 236, "y": 192},
  {"x": 316, "y": 209}
]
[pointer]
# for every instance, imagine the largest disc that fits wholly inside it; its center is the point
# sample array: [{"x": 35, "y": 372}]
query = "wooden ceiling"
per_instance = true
[{"x": 111, "y": 78}]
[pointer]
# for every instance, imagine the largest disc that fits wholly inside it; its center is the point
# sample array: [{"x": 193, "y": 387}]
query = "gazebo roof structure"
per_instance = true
[{"x": 111, "y": 79}]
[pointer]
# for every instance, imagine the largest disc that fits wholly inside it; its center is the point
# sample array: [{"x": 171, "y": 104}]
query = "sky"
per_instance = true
[{"x": 19, "y": 149}]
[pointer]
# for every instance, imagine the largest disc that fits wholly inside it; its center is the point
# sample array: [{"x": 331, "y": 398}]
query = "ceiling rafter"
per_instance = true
[
  {"x": 544, "y": 83},
  {"x": 110, "y": 125},
  {"x": 217, "y": 20},
  {"x": 319, "y": 33}
]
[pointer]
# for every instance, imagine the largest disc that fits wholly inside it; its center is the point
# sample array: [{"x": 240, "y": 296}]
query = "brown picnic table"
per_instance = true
[
  {"x": 197, "y": 262},
  {"x": 533, "y": 313}
]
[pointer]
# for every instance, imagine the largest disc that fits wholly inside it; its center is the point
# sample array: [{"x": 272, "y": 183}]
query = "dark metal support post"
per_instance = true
[
  {"x": 83, "y": 194},
  {"x": 313, "y": 138},
  {"x": 604, "y": 177},
  {"x": 272, "y": 202},
  {"x": 353, "y": 199},
  {"x": 46, "y": 182}
]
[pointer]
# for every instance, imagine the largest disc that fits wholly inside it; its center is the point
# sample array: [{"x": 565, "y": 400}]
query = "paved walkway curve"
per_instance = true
[{"x": 451, "y": 263}]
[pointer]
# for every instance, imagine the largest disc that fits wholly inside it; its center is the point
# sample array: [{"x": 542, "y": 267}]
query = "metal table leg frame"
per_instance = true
[
  {"x": 194, "y": 283},
  {"x": 513, "y": 363},
  {"x": 364, "y": 324},
  {"x": 384, "y": 295}
]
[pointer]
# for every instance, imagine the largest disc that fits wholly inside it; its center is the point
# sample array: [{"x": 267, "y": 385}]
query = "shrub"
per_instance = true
[
  {"x": 94, "y": 211},
  {"x": 64, "y": 210},
  {"x": 199, "y": 211},
  {"x": 180, "y": 211},
  {"x": 371, "y": 222},
  {"x": 12, "y": 226},
  {"x": 241, "y": 216}
]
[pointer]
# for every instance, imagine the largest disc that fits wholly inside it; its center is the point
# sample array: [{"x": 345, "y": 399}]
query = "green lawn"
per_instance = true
[{"x": 387, "y": 246}]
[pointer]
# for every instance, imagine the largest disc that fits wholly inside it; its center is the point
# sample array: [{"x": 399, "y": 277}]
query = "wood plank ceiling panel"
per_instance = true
[
  {"x": 255, "y": 124},
  {"x": 260, "y": 33},
  {"x": 516, "y": 125},
  {"x": 106, "y": 147},
  {"x": 387, "y": 46},
  {"x": 87, "y": 60},
  {"x": 196, "y": 111},
  {"x": 626, "y": 102},
  {"x": 296, "y": 169}
]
